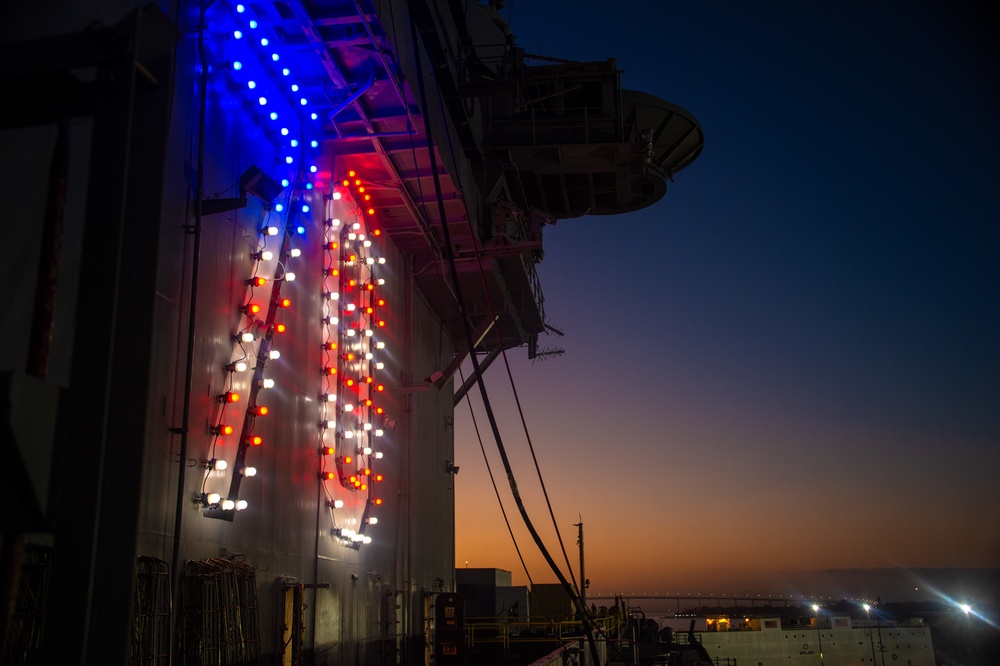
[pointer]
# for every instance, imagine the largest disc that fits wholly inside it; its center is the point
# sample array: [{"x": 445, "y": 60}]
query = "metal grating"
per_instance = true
[
  {"x": 151, "y": 622},
  {"x": 29, "y": 613},
  {"x": 219, "y": 613}
]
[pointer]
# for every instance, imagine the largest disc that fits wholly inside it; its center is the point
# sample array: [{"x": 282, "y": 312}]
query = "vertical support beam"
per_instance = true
[{"x": 102, "y": 421}]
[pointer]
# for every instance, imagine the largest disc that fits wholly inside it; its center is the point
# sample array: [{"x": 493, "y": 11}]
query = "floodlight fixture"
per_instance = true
[{"x": 253, "y": 181}]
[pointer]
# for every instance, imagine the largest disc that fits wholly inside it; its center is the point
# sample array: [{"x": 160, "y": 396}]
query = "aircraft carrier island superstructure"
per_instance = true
[{"x": 253, "y": 244}]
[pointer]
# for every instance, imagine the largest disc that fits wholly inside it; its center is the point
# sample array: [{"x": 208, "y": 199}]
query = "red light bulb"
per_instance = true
[{"x": 256, "y": 440}]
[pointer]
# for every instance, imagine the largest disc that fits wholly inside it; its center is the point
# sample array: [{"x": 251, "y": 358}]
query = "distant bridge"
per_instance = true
[{"x": 702, "y": 599}]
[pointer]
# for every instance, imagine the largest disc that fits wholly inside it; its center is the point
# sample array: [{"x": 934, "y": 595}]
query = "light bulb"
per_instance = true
[
  {"x": 367, "y": 540},
  {"x": 303, "y": 101},
  {"x": 262, "y": 101},
  {"x": 238, "y": 366},
  {"x": 237, "y": 65},
  {"x": 367, "y": 450},
  {"x": 333, "y": 295},
  {"x": 237, "y": 34},
  {"x": 368, "y": 426},
  {"x": 294, "y": 143},
  {"x": 289, "y": 160},
  {"x": 348, "y": 434},
  {"x": 284, "y": 182},
  {"x": 274, "y": 115},
  {"x": 369, "y": 332},
  {"x": 373, "y": 520},
  {"x": 285, "y": 71},
  {"x": 228, "y": 505},
  {"x": 313, "y": 116},
  {"x": 274, "y": 354},
  {"x": 267, "y": 255},
  {"x": 337, "y": 196},
  {"x": 242, "y": 504},
  {"x": 253, "y": 25},
  {"x": 313, "y": 169},
  {"x": 379, "y": 345},
  {"x": 284, "y": 131},
  {"x": 378, "y": 455},
  {"x": 263, "y": 41},
  {"x": 367, "y": 243},
  {"x": 213, "y": 498},
  {"x": 295, "y": 252},
  {"x": 314, "y": 143},
  {"x": 267, "y": 383},
  {"x": 280, "y": 207},
  {"x": 275, "y": 57},
  {"x": 330, "y": 425},
  {"x": 335, "y": 221},
  {"x": 369, "y": 356},
  {"x": 381, "y": 260},
  {"x": 272, "y": 231},
  {"x": 290, "y": 277},
  {"x": 381, "y": 281},
  {"x": 249, "y": 471},
  {"x": 348, "y": 407},
  {"x": 379, "y": 432},
  {"x": 220, "y": 465},
  {"x": 380, "y": 365},
  {"x": 305, "y": 208},
  {"x": 338, "y": 504}
]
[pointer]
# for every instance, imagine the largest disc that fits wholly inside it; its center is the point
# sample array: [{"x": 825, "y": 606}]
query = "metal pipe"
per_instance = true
[{"x": 193, "y": 307}]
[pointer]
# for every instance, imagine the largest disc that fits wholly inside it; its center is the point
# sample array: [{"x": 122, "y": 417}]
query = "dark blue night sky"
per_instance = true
[{"x": 797, "y": 351}]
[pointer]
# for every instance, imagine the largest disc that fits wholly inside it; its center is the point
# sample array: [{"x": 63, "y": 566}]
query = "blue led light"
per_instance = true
[
  {"x": 312, "y": 169},
  {"x": 284, "y": 182},
  {"x": 284, "y": 131},
  {"x": 305, "y": 208},
  {"x": 263, "y": 41},
  {"x": 262, "y": 100},
  {"x": 313, "y": 116},
  {"x": 237, "y": 65},
  {"x": 295, "y": 87},
  {"x": 300, "y": 229},
  {"x": 253, "y": 24},
  {"x": 279, "y": 207},
  {"x": 275, "y": 57},
  {"x": 302, "y": 101},
  {"x": 286, "y": 71},
  {"x": 251, "y": 84},
  {"x": 274, "y": 115},
  {"x": 314, "y": 143},
  {"x": 240, "y": 8},
  {"x": 295, "y": 143},
  {"x": 237, "y": 34},
  {"x": 288, "y": 160},
  {"x": 309, "y": 186}
]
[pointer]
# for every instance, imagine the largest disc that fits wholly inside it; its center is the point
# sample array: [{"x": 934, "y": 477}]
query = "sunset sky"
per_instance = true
[{"x": 792, "y": 361}]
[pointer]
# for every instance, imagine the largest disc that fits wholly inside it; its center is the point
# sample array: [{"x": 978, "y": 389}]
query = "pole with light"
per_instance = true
[
  {"x": 871, "y": 640},
  {"x": 818, "y": 632}
]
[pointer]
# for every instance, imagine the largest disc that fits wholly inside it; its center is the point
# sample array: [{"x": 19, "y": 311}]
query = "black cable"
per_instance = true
[{"x": 471, "y": 345}]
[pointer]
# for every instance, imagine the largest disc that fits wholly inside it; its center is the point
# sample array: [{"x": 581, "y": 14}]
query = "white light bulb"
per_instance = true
[
  {"x": 247, "y": 337},
  {"x": 348, "y": 407},
  {"x": 350, "y": 308},
  {"x": 213, "y": 498},
  {"x": 379, "y": 433},
  {"x": 348, "y": 434},
  {"x": 362, "y": 237},
  {"x": 333, "y": 296},
  {"x": 367, "y": 450},
  {"x": 272, "y": 231},
  {"x": 295, "y": 252},
  {"x": 242, "y": 504},
  {"x": 331, "y": 425},
  {"x": 373, "y": 520},
  {"x": 267, "y": 383},
  {"x": 228, "y": 505},
  {"x": 221, "y": 465},
  {"x": 368, "y": 426},
  {"x": 378, "y": 455},
  {"x": 335, "y": 221},
  {"x": 381, "y": 260},
  {"x": 284, "y": 131},
  {"x": 381, "y": 281},
  {"x": 356, "y": 226},
  {"x": 369, "y": 356},
  {"x": 380, "y": 365},
  {"x": 290, "y": 277},
  {"x": 267, "y": 255},
  {"x": 337, "y": 196},
  {"x": 274, "y": 354},
  {"x": 249, "y": 471},
  {"x": 367, "y": 540},
  {"x": 369, "y": 332},
  {"x": 352, "y": 236},
  {"x": 379, "y": 345},
  {"x": 240, "y": 366},
  {"x": 370, "y": 260},
  {"x": 367, "y": 243},
  {"x": 338, "y": 504}
]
